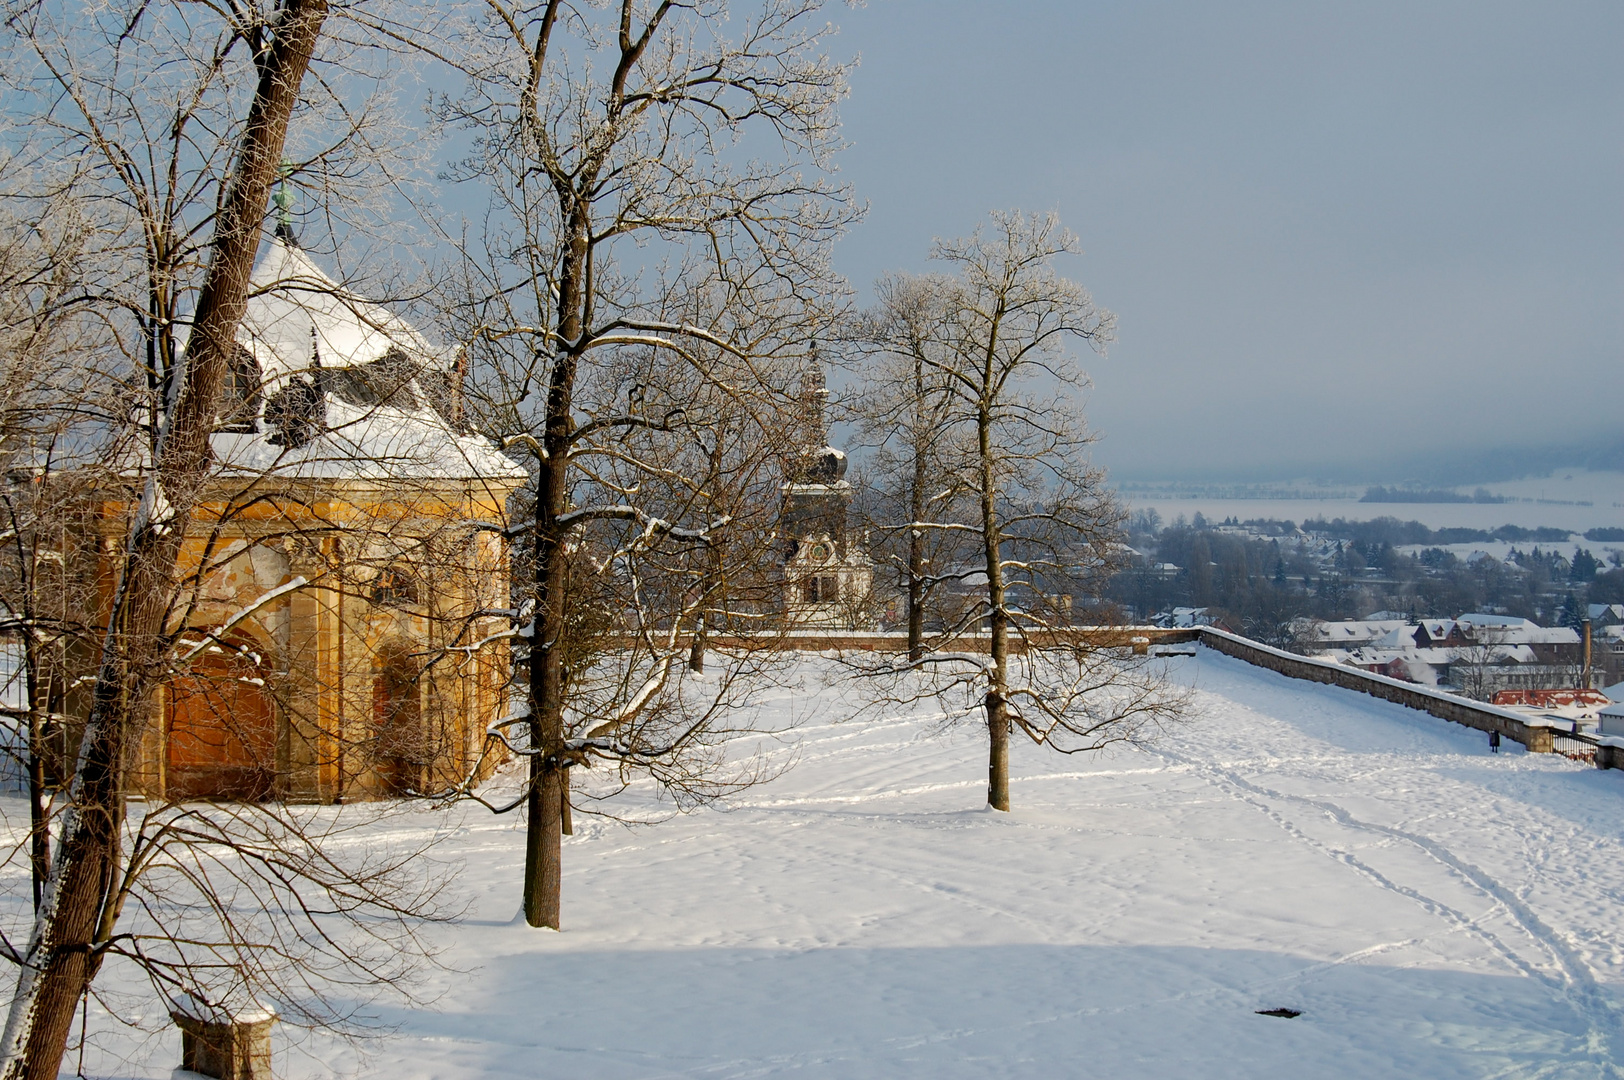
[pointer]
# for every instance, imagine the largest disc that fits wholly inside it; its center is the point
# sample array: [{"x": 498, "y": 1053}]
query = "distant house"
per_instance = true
[
  {"x": 1353, "y": 634},
  {"x": 1607, "y": 652},
  {"x": 1610, "y": 719},
  {"x": 1441, "y": 633},
  {"x": 1581, "y": 708},
  {"x": 1183, "y": 618},
  {"x": 1552, "y": 699},
  {"x": 1605, "y": 614},
  {"x": 1475, "y": 654}
]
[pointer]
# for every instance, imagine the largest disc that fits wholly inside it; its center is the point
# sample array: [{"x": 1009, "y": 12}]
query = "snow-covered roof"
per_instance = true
[
  {"x": 1440, "y": 654},
  {"x": 1606, "y": 613},
  {"x": 1478, "y": 618},
  {"x": 1400, "y": 637},
  {"x": 1362, "y": 630},
  {"x": 1538, "y": 635},
  {"x": 377, "y": 442},
  {"x": 363, "y": 370},
  {"x": 297, "y": 313},
  {"x": 1507, "y": 629}
]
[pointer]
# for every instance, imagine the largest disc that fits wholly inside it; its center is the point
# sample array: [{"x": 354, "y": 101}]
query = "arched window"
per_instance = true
[
  {"x": 820, "y": 589},
  {"x": 239, "y": 396},
  {"x": 394, "y": 587}
]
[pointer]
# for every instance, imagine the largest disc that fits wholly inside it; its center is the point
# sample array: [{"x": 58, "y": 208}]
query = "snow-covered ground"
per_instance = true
[{"x": 1433, "y": 910}]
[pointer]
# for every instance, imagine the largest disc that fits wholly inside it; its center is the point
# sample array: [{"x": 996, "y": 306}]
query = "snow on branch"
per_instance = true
[
  {"x": 610, "y": 335},
  {"x": 638, "y": 702},
  {"x": 592, "y": 427},
  {"x": 652, "y": 526},
  {"x": 528, "y": 630},
  {"x": 944, "y": 526},
  {"x": 213, "y": 636}
]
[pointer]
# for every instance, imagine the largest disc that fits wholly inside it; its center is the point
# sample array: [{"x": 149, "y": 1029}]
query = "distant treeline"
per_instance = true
[
  {"x": 1390, "y": 530},
  {"x": 1255, "y": 578},
  {"x": 1432, "y": 495},
  {"x": 1383, "y": 530}
]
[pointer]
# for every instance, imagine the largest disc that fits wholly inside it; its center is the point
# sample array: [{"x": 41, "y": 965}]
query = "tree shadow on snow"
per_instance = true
[{"x": 1011, "y": 1011}]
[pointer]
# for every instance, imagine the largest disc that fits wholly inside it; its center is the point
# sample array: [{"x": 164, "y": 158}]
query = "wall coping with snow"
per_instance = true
[
  {"x": 1535, "y": 733},
  {"x": 821, "y": 640}
]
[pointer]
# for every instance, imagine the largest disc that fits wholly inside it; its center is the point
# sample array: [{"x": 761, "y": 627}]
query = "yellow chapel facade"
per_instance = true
[{"x": 342, "y": 615}]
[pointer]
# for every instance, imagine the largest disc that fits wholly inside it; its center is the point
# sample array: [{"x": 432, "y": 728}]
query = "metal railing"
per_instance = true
[{"x": 1576, "y": 745}]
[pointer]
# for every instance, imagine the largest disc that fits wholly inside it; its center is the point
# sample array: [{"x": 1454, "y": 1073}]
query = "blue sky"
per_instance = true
[{"x": 1332, "y": 233}]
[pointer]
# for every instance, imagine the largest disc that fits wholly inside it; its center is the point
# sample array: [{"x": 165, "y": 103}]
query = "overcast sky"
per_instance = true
[{"x": 1331, "y": 233}]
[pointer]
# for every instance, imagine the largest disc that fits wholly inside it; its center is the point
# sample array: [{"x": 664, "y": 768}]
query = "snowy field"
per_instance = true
[{"x": 1432, "y": 910}]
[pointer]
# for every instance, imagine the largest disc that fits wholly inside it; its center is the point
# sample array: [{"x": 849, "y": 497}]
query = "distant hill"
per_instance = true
[
  {"x": 1467, "y": 462},
  {"x": 1429, "y": 495}
]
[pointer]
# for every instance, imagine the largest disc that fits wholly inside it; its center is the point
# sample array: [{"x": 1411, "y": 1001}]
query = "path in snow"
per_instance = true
[{"x": 1432, "y": 909}]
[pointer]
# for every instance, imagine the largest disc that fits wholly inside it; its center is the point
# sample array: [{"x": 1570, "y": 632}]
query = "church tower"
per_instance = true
[{"x": 828, "y": 575}]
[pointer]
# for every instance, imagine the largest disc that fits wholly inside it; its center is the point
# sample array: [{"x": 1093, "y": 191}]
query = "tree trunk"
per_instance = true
[
  {"x": 916, "y": 564},
  {"x": 997, "y": 753},
  {"x": 998, "y": 617},
  {"x": 39, "y": 820},
  {"x": 543, "y": 870},
  {"x": 997, "y": 695},
  {"x": 712, "y": 580},
  {"x": 62, "y": 954},
  {"x": 543, "y": 848},
  {"x": 916, "y": 513},
  {"x": 916, "y": 598},
  {"x": 565, "y": 816},
  {"x": 543, "y": 874},
  {"x": 696, "y": 648}
]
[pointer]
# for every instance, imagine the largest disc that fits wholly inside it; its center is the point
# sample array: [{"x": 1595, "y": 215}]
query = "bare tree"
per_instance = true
[
  {"x": 1043, "y": 524},
  {"x": 46, "y": 366},
  {"x": 1478, "y": 669},
  {"x": 166, "y": 133},
  {"x": 905, "y": 412},
  {"x": 641, "y": 155}
]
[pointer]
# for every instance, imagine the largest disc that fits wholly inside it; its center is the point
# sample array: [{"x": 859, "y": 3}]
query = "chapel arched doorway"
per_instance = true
[
  {"x": 400, "y": 753},
  {"x": 220, "y": 727}
]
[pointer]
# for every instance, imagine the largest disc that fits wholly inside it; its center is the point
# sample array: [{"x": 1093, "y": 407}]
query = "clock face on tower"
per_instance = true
[{"x": 820, "y": 552}]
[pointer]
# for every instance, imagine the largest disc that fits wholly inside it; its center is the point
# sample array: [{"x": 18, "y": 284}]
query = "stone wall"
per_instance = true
[
  {"x": 889, "y": 641},
  {"x": 1537, "y": 738},
  {"x": 1530, "y": 732}
]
